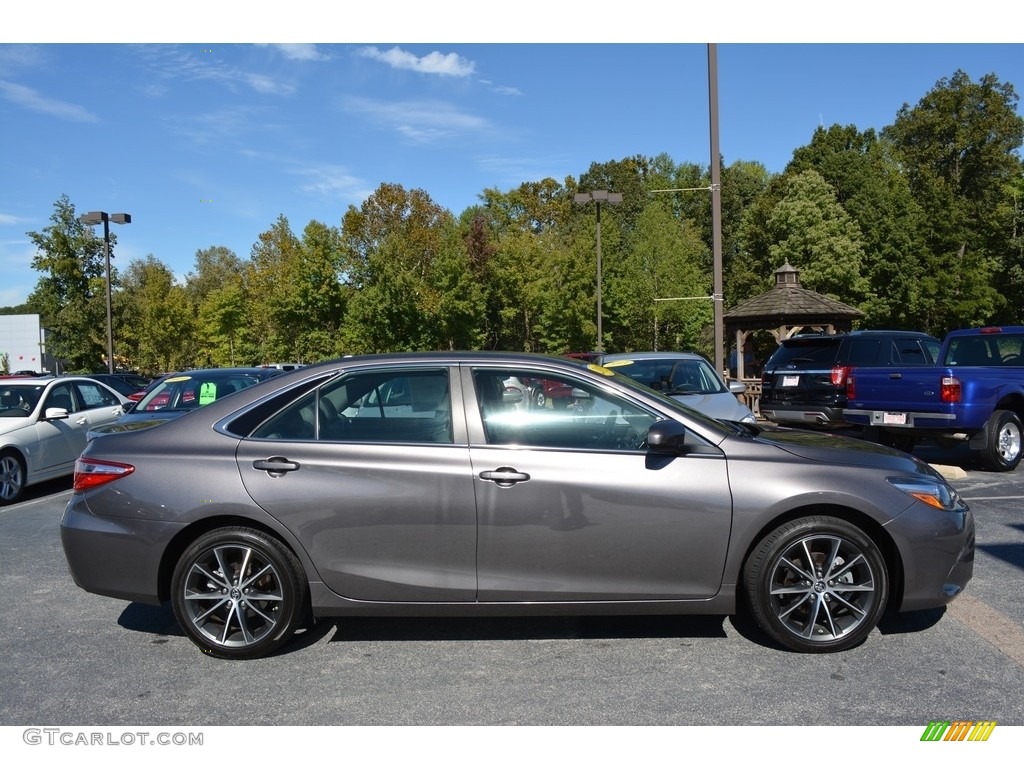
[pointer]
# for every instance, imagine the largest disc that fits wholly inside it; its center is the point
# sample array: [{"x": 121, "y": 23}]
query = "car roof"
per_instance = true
[
  {"x": 215, "y": 372},
  {"x": 654, "y": 356}
]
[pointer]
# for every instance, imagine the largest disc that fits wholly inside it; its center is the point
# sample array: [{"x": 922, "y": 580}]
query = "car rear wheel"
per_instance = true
[
  {"x": 238, "y": 593},
  {"x": 817, "y": 584},
  {"x": 12, "y": 477},
  {"x": 1002, "y": 451}
]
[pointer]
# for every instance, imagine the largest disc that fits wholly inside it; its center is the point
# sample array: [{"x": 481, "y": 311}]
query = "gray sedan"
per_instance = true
[{"x": 413, "y": 485}]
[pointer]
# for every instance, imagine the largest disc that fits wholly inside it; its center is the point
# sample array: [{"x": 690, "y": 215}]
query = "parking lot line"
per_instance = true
[{"x": 991, "y": 625}]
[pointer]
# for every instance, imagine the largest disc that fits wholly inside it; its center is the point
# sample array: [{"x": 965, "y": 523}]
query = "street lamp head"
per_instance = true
[
  {"x": 598, "y": 196},
  {"x": 98, "y": 217}
]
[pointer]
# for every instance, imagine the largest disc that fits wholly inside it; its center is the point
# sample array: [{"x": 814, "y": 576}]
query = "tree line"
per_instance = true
[{"x": 918, "y": 225}]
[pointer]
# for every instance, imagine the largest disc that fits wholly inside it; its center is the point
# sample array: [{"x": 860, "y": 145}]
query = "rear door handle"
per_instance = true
[
  {"x": 276, "y": 466},
  {"x": 505, "y": 477}
]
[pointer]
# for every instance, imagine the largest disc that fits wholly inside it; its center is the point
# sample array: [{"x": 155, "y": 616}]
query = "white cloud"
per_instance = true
[
  {"x": 301, "y": 52},
  {"x": 422, "y": 121},
  {"x": 435, "y": 63},
  {"x": 333, "y": 181},
  {"x": 36, "y": 102}
]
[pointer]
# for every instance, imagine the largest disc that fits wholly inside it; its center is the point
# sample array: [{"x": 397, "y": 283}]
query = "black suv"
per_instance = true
[{"x": 804, "y": 381}]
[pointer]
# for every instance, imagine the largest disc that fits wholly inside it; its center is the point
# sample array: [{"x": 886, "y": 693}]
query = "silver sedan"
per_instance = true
[
  {"x": 44, "y": 423},
  {"x": 414, "y": 485}
]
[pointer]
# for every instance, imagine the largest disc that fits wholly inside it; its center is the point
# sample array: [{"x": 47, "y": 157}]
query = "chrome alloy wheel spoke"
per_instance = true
[
  {"x": 234, "y": 595},
  {"x": 822, "y": 587}
]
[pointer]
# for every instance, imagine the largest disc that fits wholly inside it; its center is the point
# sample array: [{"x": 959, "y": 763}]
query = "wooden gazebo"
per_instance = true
[{"x": 785, "y": 310}]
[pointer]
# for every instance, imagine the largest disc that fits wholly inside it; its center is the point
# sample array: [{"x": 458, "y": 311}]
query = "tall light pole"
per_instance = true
[
  {"x": 716, "y": 210},
  {"x": 90, "y": 219},
  {"x": 612, "y": 198}
]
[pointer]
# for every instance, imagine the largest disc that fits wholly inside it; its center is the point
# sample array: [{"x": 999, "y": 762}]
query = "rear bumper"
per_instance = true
[
  {"x": 812, "y": 415},
  {"x": 111, "y": 556}
]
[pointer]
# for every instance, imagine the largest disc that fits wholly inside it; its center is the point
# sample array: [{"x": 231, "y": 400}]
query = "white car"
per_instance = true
[
  {"x": 43, "y": 427},
  {"x": 686, "y": 377}
]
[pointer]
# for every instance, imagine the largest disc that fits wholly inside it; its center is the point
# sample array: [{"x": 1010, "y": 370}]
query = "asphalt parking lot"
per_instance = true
[{"x": 74, "y": 658}]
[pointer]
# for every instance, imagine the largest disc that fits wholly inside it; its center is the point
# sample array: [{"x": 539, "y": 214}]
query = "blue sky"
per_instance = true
[{"x": 207, "y": 143}]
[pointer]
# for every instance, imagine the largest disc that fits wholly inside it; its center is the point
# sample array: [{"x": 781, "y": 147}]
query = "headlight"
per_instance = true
[{"x": 932, "y": 492}]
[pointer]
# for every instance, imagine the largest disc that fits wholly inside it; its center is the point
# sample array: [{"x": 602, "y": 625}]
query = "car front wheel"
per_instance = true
[
  {"x": 238, "y": 593},
  {"x": 817, "y": 584},
  {"x": 12, "y": 477}
]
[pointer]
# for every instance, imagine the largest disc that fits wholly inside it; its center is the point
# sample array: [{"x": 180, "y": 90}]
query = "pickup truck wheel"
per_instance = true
[{"x": 1002, "y": 451}]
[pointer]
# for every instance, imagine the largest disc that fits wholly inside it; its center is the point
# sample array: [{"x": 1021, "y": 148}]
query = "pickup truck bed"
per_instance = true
[{"x": 975, "y": 394}]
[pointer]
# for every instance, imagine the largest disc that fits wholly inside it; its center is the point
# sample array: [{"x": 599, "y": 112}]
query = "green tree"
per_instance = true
[
  {"x": 958, "y": 147},
  {"x": 666, "y": 260},
  {"x": 70, "y": 296},
  {"x": 216, "y": 292},
  {"x": 269, "y": 282},
  {"x": 872, "y": 189},
  {"x": 398, "y": 250},
  {"x": 810, "y": 230},
  {"x": 159, "y": 329}
]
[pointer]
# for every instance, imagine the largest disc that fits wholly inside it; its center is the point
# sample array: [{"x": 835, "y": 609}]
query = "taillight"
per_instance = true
[
  {"x": 851, "y": 388},
  {"x": 951, "y": 390},
  {"x": 839, "y": 374},
  {"x": 90, "y": 473}
]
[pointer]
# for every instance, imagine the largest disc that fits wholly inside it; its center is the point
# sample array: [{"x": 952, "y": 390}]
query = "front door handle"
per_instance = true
[
  {"x": 505, "y": 477},
  {"x": 276, "y": 466}
]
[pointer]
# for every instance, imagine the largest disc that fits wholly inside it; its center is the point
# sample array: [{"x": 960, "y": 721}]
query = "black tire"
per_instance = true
[
  {"x": 12, "y": 477},
  {"x": 817, "y": 585},
  {"x": 215, "y": 598},
  {"x": 1002, "y": 451}
]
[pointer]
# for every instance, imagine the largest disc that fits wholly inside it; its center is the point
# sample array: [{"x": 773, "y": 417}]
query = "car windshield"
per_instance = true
[
  {"x": 186, "y": 392},
  {"x": 672, "y": 376},
  {"x": 18, "y": 400},
  {"x": 667, "y": 402}
]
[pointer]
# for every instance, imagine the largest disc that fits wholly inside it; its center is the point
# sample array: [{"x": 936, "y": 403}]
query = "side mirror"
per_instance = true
[
  {"x": 580, "y": 394},
  {"x": 53, "y": 414},
  {"x": 737, "y": 387},
  {"x": 512, "y": 395},
  {"x": 666, "y": 436}
]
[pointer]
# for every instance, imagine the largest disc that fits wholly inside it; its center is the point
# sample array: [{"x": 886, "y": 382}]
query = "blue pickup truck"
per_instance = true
[{"x": 974, "y": 394}]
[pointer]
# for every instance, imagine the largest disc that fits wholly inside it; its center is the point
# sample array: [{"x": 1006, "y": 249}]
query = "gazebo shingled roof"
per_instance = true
[{"x": 786, "y": 309}]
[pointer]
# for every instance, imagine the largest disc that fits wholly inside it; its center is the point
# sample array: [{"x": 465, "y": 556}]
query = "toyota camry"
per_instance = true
[{"x": 417, "y": 485}]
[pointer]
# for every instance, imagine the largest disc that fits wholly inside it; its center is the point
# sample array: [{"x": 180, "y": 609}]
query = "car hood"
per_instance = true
[
  {"x": 830, "y": 448},
  {"x": 723, "y": 405}
]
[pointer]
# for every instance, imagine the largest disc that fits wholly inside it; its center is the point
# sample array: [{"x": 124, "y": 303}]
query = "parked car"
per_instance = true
[
  {"x": 689, "y": 378},
  {"x": 43, "y": 427},
  {"x": 177, "y": 393},
  {"x": 410, "y": 484},
  {"x": 804, "y": 381}
]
